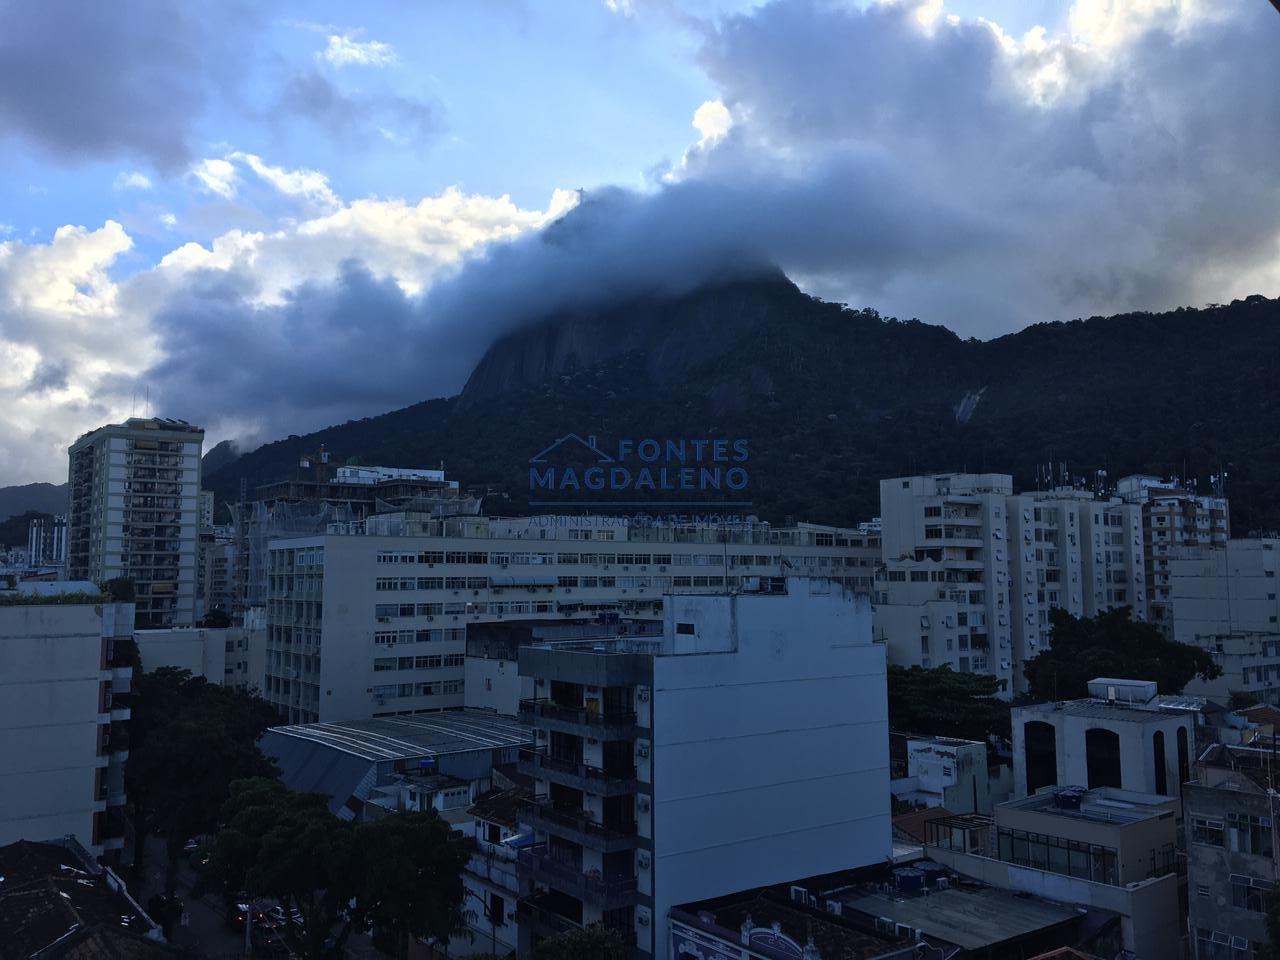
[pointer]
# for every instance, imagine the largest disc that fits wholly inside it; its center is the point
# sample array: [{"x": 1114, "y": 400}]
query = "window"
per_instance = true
[
  {"x": 384, "y": 663},
  {"x": 1250, "y": 834},
  {"x": 1249, "y": 893},
  {"x": 1207, "y": 831},
  {"x": 497, "y": 910}
]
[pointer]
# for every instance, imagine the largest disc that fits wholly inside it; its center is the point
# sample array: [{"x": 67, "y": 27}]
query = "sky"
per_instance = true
[{"x": 268, "y": 218}]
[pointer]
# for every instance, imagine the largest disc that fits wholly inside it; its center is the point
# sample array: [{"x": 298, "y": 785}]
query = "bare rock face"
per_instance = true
[{"x": 673, "y": 335}]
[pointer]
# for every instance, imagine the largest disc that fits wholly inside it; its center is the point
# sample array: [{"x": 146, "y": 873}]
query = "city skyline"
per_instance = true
[{"x": 290, "y": 198}]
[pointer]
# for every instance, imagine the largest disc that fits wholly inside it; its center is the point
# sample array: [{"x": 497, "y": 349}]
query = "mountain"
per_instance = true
[
  {"x": 38, "y": 497},
  {"x": 832, "y": 399}
]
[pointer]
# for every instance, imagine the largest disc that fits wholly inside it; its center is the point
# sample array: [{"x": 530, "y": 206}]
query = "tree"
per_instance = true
[
  {"x": 410, "y": 877},
  {"x": 216, "y": 619},
  {"x": 400, "y": 874},
  {"x": 941, "y": 702},
  {"x": 595, "y": 942},
  {"x": 287, "y": 845},
  {"x": 1242, "y": 700},
  {"x": 188, "y": 741},
  {"x": 1112, "y": 645}
]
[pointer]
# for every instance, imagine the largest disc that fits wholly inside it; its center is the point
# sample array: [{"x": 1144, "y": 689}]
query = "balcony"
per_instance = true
[
  {"x": 578, "y": 826},
  {"x": 572, "y": 719},
  {"x": 531, "y": 912},
  {"x": 605, "y": 893},
  {"x": 581, "y": 776}
]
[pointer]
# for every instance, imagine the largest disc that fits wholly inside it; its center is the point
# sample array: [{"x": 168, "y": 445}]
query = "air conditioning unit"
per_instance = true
[
  {"x": 642, "y": 861},
  {"x": 835, "y": 906},
  {"x": 642, "y": 919},
  {"x": 642, "y": 694},
  {"x": 642, "y": 804},
  {"x": 642, "y": 751},
  {"x": 799, "y": 895}
]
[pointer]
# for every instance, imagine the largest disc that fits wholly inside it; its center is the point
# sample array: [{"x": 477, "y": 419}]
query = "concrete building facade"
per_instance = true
[
  {"x": 1104, "y": 848},
  {"x": 746, "y": 746},
  {"x": 372, "y": 621},
  {"x": 1223, "y": 599},
  {"x": 63, "y": 715},
  {"x": 135, "y": 509},
  {"x": 971, "y": 569},
  {"x": 1230, "y": 813},
  {"x": 1121, "y": 736}
]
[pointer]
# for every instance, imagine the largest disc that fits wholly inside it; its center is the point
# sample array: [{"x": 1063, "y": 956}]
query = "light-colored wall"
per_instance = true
[
  {"x": 198, "y": 649},
  {"x": 1137, "y": 755},
  {"x": 495, "y": 685},
  {"x": 770, "y": 762},
  {"x": 51, "y": 675}
]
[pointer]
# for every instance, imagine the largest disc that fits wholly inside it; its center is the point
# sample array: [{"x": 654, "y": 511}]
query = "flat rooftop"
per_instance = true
[
  {"x": 411, "y": 737},
  {"x": 1104, "y": 805},
  {"x": 971, "y": 919},
  {"x": 1092, "y": 709}
]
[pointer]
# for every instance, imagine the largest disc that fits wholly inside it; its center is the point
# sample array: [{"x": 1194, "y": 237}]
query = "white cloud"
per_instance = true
[
  {"x": 625, "y": 8},
  {"x": 309, "y": 185},
  {"x": 343, "y": 51},
  {"x": 217, "y": 176},
  {"x": 168, "y": 220},
  {"x": 712, "y": 120},
  {"x": 131, "y": 180}
]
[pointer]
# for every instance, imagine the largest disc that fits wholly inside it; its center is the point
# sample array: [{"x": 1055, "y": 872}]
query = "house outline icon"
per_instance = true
[{"x": 589, "y": 443}]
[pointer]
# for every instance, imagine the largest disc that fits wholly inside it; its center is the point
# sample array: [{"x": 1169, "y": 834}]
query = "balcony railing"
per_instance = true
[
  {"x": 594, "y": 779},
  {"x": 608, "y": 892},
  {"x": 533, "y": 911},
  {"x": 540, "y": 812},
  {"x": 551, "y": 710}
]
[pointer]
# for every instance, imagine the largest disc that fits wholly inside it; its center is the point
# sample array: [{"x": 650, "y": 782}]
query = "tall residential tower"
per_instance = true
[{"x": 135, "y": 490}]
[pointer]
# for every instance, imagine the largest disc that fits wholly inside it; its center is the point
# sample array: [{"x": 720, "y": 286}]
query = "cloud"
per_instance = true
[
  {"x": 168, "y": 220},
  {"x": 712, "y": 120},
  {"x": 311, "y": 96},
  {"x": 343, "y": 51},
  {"x": 217, "y": 176},
  {"x": 131, "y": 180},
  {"x": 87, "y": 81},
  {"x": 311, "y": 185}
]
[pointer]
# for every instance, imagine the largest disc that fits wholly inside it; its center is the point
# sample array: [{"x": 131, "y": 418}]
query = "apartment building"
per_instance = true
[
  {"x": 1123, "y": 735},
  {"x": 971, "y": 570},
  {"x": 370, "y": 619},
  {"x": 63, "y": 714},
  {"x": 135, "y": 513},
  {"x": 1223, "y": 599},
  {"x": 746, "y": 746},
  {"x": 1103, "y": 849},
  {"x": 47, "y": 542},
  {"x": 1230, "y": 813},
  {"x": 1173, "y": 516}
]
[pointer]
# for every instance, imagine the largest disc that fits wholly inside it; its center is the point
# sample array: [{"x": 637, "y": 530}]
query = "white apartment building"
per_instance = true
[
  {"x": 746, "y": 746},
  {"x": 1173, "y": 517},
  {"x": 370, "y": 619},
  {"x": 47, "y": 541},
  {"x": 1224, "y": 600},
  {"x": 63, "y": 715},
  {"x": 971, "y": 569},
  {"x": 135, "y": 509}
]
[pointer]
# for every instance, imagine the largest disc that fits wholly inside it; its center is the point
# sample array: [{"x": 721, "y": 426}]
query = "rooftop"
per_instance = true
[
  {"x": 501, "y": 806},
  {"x": 911, "y": 825},
  {"x": 51, "y": 893},
  {"x": 834, "y": 939},
  {"x": 972, "y": 919},
  {"x": 407, "y": 738},
  {"x": 1156, "y": 712},
  {"x": 1100, "y": 805}
]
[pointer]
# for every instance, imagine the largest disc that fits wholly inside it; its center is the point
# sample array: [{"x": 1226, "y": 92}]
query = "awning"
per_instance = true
[{"x": 520, "y": 840}]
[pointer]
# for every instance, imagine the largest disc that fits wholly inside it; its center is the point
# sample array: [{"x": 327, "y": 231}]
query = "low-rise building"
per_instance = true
[
  {"x": 65, "y": 678},
  {"x": 1105, "y": 849},
  {"x": 490, "y": 876},
  {"x": 1122, "y": 735},
  {"x": 443, "y": 761},
  {"x": 951, "y": 773},
  {"x": 1230, "y": 813}
]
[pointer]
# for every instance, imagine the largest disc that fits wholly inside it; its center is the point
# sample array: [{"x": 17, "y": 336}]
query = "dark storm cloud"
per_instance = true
[
  {"x": 90, "y": 80},
  {"x": 879, "y": 163}
]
